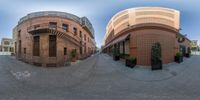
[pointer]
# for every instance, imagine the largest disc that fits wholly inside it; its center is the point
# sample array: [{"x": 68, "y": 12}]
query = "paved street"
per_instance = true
[{"x": 99, "y": 78}]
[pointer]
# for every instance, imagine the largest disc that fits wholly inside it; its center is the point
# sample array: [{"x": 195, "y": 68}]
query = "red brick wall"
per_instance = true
[
  {"x": 27, "y": 40},
  {"x": 142, "y": 40}
]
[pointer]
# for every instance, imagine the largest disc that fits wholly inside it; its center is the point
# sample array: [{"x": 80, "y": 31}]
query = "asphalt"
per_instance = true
[{"x": 99, "y": 78}]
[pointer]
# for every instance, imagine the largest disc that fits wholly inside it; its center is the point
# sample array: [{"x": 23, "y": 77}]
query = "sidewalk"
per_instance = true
[{"x": 142, "y": 73}]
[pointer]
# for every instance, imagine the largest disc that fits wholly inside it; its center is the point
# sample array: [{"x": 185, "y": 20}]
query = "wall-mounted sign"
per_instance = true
[{"x": 181, "y": 39}]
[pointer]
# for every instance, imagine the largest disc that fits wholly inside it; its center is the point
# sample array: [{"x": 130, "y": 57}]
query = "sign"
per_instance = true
[{"x": 181, "y": 39}]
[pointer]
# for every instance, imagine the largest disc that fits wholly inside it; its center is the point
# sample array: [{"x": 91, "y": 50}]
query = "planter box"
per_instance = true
[
  {"x": 187, "y": 55},
  {"x": 116, "y": 58},
  {"x": 178, "y": 59},
  {"x": 156, "y": 66},
  {"x": 130, "y": 64},
  {"x": 73, "y": 59}
]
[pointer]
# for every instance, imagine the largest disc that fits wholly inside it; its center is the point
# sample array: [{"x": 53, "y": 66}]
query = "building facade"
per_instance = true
[
  {"x": 133, "y": 32},
  {"x": 7, "y": 46},
  {"x": 194, "y": 45},
  {"x": 47, "y": 38},
  {"x": 0, "y": 48}
]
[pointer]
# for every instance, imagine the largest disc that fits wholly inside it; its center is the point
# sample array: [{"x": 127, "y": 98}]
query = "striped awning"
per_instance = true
[{"x": 119, "y": 39}]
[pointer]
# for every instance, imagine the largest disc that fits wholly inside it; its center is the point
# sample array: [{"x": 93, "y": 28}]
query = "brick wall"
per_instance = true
[
  {"x": 27, "y": 40},
  {"x": 142, "y": 40}
]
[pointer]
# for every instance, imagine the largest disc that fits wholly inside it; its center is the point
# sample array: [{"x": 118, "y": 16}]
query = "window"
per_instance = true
[
  {"x": 11, "y": 49},
  {"x": 5, "y": 49},
  {"x": 81, "y": 47},
  {"x": 84, "y": 37},
  {"x": 19, "y": 33},
  {"x": 6, "y": 43},
  {"x": 15, "y": 47},
  {"x": 65, "y": 51},
  {"x": 65, "y": 27},
  {"x": 52, "y": 45},
  {"x": 36, "y": 46},
  {"x": 19, "y": 47},
  {"x": 85, "y": 48},
  {"x": 24, "y": 50},
  {"x": 80, "y": 34},
  {"x": 126, "y": 47},
  {"x": 75, "y": 31},
  {"x": 52, "y": 25}
]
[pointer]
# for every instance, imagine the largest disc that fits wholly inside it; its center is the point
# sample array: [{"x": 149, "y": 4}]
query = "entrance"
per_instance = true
[{"x": 182, "y": 49}]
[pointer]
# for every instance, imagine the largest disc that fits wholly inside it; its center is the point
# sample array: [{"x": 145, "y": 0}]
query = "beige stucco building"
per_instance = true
[
  {"x": 7, "y": 46},
  {"x": 133, "y": 31}
]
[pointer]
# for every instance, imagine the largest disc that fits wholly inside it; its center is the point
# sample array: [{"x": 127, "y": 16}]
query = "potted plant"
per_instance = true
[
  {"x": 179, "y": 57},
  {"x": 188, "y": 52},
  {"x": 156, "y": 62},
  {"x": 116, "y": 55},
  {"x": 73, "y": 55},
  {"x": 131, "y": 62}
]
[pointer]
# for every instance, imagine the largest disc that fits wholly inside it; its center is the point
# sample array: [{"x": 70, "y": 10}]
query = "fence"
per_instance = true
[
  {"x": 5, "y": 53},
  {"x": 195, "y": 52}
]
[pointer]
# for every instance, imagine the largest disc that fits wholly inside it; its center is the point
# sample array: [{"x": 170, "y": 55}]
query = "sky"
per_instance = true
[{"x": 99, "y": 12}]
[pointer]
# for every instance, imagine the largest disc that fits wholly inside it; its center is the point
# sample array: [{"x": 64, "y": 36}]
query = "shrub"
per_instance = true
[
  {"x": 179, "y": 54},
  {"x": 131, "y": 62},
  {"x": 156, "y": 53},
  {"x": 156, "y": 61},
  {"x": 132, "y": 59},
  {"x": 73, "y": 53}
]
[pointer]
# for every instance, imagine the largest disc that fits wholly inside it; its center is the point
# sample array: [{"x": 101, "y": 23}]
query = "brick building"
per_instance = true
[
  {"x": 134, "y": 31},
  {"x": 47, "y": 38}
]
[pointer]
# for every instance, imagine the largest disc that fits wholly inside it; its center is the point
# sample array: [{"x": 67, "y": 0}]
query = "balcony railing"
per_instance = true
[
  {"x": 39, "y": 28},
  {"x": 83, "y": 21},
  {"x": 52, "y": 28},
  {"x": 88, "y": 26}
]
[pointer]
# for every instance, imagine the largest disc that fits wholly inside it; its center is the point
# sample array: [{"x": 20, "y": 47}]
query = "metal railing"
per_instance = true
[
  {"x": 195, "y": 52},
  {"x": 44, "y": 26},
  {"x": 58, "y": 30},
  {"x": 83, "y": 21}
]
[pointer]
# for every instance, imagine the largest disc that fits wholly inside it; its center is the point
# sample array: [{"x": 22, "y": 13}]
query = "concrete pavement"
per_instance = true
[{"x": 97, "y": 78}]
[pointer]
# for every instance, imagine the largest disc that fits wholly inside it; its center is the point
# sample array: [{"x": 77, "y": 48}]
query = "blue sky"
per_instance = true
[{"x": 99, "y": 12}]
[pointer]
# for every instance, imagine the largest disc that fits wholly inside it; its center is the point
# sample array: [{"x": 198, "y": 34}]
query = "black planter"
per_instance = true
[
  {"x": 156, "y": 65},
  {"x": 181, "y": 58},
  {"x": 130, "y": 63},
  {"x": 187, "y": 55},
  {"x": 116, "y": 58},
  {"x": 178, "y": 59}
]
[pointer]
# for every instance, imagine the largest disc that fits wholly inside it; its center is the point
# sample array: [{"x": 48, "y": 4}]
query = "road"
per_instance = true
[{"x": 99, "y": 78}]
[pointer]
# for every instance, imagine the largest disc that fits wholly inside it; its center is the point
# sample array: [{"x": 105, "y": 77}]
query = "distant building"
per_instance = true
[
  {"x": 7, "y": 45},
  {"x": 0, "y": 48},
  {"x": 194, "y": 45}
]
